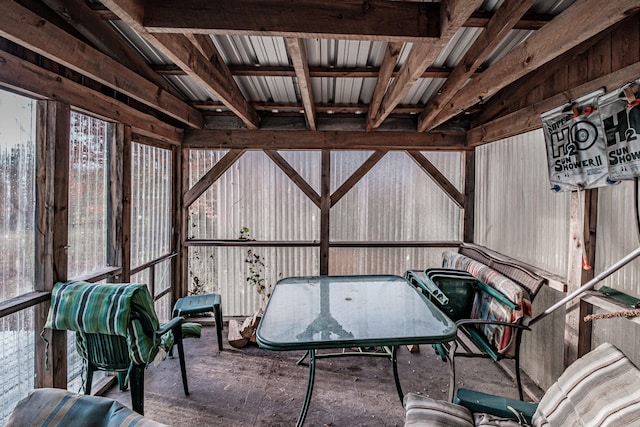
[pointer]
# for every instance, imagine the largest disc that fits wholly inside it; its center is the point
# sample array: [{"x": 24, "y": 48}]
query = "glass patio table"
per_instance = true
[{"x": 347, "y": 312}]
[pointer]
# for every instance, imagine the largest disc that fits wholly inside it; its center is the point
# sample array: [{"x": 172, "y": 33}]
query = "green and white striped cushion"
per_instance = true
[
  {"x": 601, "y": 388},
  {"x": 105, "y": 309},
  {"x": 424, "y": 411}
]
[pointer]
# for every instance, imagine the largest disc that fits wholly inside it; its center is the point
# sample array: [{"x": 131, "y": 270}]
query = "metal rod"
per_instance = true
[{"x": 590, "y": 284}]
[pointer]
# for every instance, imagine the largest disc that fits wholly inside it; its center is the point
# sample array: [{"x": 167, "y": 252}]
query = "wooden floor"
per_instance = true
[{"x": 256, "y": 387}]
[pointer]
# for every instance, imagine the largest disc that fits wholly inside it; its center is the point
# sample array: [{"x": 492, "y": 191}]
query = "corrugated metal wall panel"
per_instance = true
[
  {"x": 395, "y": 201},
  {"x": 516, "y": 212},
  {"x": 383, "y": 260},
  {"x": 617, "y": 236},
  {"x": 519, "y": 216}
]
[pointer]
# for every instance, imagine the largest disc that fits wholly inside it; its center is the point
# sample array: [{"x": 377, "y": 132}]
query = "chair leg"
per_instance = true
[
  {"x": 122, "y": 381},
  {"x": 136, "y": 380},
  {"x": 217, "y": 311},
  {"x": 183, "y": 368},
  {"x": 174, "y": 314},
  {"x": 518, "y": 379}
]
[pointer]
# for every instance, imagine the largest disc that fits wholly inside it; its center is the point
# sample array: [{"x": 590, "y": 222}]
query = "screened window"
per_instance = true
[
  {"x": 151, "y": 179},
  {"x": 17, "y": 193},
  {"x": 88, "y": 193},
  {"x": 17, "y": 245}
]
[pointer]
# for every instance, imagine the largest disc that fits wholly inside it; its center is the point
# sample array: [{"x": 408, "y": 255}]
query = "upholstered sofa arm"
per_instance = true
[{"x": 60, "y": 408}]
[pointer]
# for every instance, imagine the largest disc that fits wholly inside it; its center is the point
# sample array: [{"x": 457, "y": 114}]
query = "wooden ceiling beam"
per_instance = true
[
  {"x": 22, "y": 75},
  {"x": 44, "y": 38},
  {"x": 453, "y": 14},
  {"x": 184, "y": 54},
  {"x": 478, "y": 19},
  {"x": 530, "y": 21},
  {"x": 99, "y": 33},
  {"x": 298, "y": 54},
  {"x": 528, "y": 118},
  {"x": 544, "y": 45},
  {"x": 346, "y": 19},
  {"x": 512, "y": 95},
  {"x": 330, "y": 72},
  {"x": 298, "y": 108},
  {"x": 391, "y": 54},
  {"x": 264, "y": 139},
  {"x": 499, "y": 25}
]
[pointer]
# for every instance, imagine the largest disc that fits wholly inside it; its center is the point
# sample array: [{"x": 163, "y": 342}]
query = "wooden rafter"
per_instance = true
[
  {"x": 346, "y": 19},
  {"x": 81, "y": 17},
  {"x": 355, "y": 177},
  {"x": 453, "y": 14},
  {"x": 497, "y": 28},
  {"x": 63, "y": 48},
  {"x": 184, "y": 54},
  {"x": 286, "y": 71},
  {"x": 544, "y": 45},
  {"x": 22, "y": 75},
  {"x": 514, "y": 93},
  {"x": 299, "y": 181},
  {"x": 438, "y": 178},
  {"x": 210, "y": 177},
  {"x": 310, "y": 140},
  {"x": 528, "y": 118},
  {"x": 389, "y": 61},
  {"x": 298, "y": 55}
]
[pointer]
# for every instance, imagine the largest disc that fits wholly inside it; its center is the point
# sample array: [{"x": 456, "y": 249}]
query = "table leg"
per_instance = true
[
  {"x": 304, "y": 356},
  {"x": 452, "y": 368},
  {"x": 307, "y": 397},
  {"x": 394, "y": 362}
]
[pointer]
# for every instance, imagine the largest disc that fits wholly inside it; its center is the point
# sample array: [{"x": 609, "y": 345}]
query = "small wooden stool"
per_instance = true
[{"x": 204, "y": 303}]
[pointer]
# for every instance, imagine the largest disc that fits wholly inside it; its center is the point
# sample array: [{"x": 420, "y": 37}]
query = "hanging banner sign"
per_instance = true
[
  {"x": 620, "y": 117},
  {"x": 576, "y": 150}
]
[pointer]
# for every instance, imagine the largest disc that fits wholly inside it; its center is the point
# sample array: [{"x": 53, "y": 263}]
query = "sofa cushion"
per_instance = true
[
  {"x": 424, "y": 411},
  {"x": 601, "y": 388},
  {"x": 57, "y": 407}
]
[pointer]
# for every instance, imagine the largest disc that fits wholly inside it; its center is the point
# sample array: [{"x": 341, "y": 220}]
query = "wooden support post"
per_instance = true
[
  {"x": 176, "y": 226},
  {"x": 469, "y": 195},
  {"x": 325, "y": 207},
  {"x": 119, "y": 201},
  {"x": 52, "y": 197},
  {"x": 577, "y": 336},
  {"x": 181, "y": 181},
  {"x": 126, "y": 144}
]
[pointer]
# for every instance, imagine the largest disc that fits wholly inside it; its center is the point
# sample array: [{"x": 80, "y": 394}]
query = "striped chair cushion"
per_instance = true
[
  {"x": 486, "y": 307},
  {"x": 105, "y": 309},
  {"x": 601, "y": 388},
  {"x": 424, "y": 411},
  {"x": 53, "y": 407}
]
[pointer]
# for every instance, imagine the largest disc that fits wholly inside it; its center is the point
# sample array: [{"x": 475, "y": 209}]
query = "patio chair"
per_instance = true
[
  {"x": 599, "y": 389},
  {"x": 487, "y": 318},
  {"x": 117, "y": 330}
]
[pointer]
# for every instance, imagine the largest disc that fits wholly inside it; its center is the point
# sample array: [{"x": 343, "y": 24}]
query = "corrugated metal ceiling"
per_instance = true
[{"x": 263, "y": 51}]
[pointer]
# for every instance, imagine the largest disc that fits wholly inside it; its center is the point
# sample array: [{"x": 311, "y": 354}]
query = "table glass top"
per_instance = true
[{"x": 345, "y": 311}]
